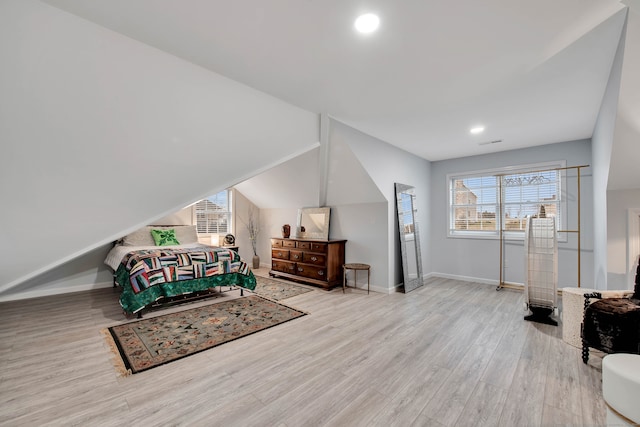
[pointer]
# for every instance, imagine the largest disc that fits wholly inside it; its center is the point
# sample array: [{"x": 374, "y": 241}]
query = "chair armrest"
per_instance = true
[
  {"x": 590, "y": 295},
  {"x": 606, "y": 294}
]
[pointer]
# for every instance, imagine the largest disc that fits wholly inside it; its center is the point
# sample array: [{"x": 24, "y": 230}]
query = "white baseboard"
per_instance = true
[
  {"x": 372, "y": 288},
  {"x": 472, "y": 279},
  {"x": 396, "y": 288},
  {"x": 387, "y": 291},
  {"x": 463, "y": 278},
  {"x": 54, "y": 291}
]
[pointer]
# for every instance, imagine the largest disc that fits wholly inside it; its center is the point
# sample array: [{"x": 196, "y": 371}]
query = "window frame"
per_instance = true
[
  {"x": 507, "y": 170},
  {"x": 228, "y": 213}
]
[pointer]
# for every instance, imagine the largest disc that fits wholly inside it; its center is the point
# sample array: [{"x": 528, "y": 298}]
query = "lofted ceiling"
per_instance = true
[{"x": 532, "y": 73}]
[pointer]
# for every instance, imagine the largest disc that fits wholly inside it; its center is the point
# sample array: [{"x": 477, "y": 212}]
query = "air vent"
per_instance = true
[{"x": 490, "y": 142}]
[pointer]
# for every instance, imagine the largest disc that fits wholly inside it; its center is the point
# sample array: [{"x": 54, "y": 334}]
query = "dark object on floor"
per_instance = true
[
  {"x": 612, "y": 325},
  {"x": 541, "y": 315}
]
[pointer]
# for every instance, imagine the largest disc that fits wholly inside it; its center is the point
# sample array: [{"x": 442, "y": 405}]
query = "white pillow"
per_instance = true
[
  {"x": 141, "y": 237},
  {"x": 184, "y": 233}
]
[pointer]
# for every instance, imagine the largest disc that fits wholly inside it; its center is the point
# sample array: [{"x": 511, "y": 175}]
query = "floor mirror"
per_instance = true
[{"x": 409, "y": 237}]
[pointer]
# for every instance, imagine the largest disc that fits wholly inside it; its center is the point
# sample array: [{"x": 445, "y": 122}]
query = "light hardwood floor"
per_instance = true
[{"x": 450, "y": 353}]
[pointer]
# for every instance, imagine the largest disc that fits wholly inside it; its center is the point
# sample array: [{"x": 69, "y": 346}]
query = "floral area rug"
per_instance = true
[
  {"x": 151, "y": 342},
  {"x": 277, "y": 289}
]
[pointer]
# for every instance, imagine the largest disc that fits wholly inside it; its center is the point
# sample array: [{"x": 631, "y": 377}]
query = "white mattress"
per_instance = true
[{"x": 118, "y": 252}]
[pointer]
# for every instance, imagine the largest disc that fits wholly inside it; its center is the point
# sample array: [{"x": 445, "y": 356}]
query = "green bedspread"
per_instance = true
[{"x": 148, "y": 275}]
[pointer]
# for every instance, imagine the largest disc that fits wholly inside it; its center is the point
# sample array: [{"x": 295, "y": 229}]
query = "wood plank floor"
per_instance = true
[{"x": 448, "y": 354}]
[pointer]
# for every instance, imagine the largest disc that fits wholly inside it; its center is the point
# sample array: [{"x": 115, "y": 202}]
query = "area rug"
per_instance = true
[
  {"x": 277, "y": 289},
  {"x": 151, "y": 342}
]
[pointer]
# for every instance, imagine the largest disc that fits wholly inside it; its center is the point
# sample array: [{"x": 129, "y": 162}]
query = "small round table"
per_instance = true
[{"x": 355, "y": 267}]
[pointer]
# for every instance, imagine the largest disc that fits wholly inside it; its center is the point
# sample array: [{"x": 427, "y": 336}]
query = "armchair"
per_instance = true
[{"x": 612, "y": 325}]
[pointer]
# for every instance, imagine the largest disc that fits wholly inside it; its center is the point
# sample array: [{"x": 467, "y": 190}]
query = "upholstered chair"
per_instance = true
[{"x": 612, "y": 325}]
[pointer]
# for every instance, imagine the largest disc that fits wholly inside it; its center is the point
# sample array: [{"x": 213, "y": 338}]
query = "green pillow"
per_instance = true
[{"x": 166, "y": 237}]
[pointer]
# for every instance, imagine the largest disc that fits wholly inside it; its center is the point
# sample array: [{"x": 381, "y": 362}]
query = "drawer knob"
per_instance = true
[
  {"x": 320, "y": 273},
  {"x": 300, "y": 269},
  {"x": 296, "y": 256},
  {"x": 279, "y": 253},
  {"x": 314, "y": 258}
]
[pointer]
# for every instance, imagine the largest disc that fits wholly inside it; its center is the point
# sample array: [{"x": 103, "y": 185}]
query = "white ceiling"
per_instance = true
[{"x": 532, "y": 72}]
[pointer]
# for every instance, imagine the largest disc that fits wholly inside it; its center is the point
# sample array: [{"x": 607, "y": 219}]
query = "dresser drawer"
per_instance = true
[
  {"x": 296, "y": 255},
  {"x": 280, "y": 253},
  {"x": 312, "y": 261},
  {"x": 303, "y": 245},
  {"x": 319, "y": 247},
  {"x": 314, "y": 258},
  {"x": 311, "y": 271},
  {"x": 283, "y": 266}
]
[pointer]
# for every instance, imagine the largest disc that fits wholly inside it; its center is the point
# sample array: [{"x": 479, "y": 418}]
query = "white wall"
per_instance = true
[
  {"x": 385, "y": 165},
  {"x": 358, "y": 223},
  {"x": 602, "y": 140},
  {"x": 360, "y": 191},
  {"x": 358, "y": 209},
  {"x": 271, "y": 222},
  {"x": 102, "y": 134},
  {"x": 184, "y": 216},
  {"x": 277, "y": 193},
  {"x": 364, "y": 225},
  {"x": 479, "y": 259},
  {"x": 290, "y": 184},
  {"x": 624, "y": 173},
  {"x": 87, "y": 271},
  {"x": 241, "y": 207},
  {"x": 622, "y": 255}
]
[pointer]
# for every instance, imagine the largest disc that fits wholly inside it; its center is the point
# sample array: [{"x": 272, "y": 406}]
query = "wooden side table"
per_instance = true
[{"x": 355, "y": 267}]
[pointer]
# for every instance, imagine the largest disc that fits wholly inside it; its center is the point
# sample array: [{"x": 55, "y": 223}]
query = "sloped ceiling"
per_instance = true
[
  {"x": 102, "y": 134},
  {"x": 348, "y": 181},
  {"x": 532, "y": 72},
  {"x": 292, "y": 184},
  {"x": 296, "y": 183},
  {"x": 624, "y": 172}
]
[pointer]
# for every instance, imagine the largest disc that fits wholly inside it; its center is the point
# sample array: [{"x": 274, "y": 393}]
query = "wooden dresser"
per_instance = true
[{"x": 312, "y": 261}]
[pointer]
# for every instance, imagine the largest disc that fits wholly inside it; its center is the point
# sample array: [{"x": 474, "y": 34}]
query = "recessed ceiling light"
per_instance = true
[
  {"x": 476, "y": 130},
  {"x": 367, "y": 23}
]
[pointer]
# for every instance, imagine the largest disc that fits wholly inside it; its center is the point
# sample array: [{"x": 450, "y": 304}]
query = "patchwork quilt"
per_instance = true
[{"x": 149, "y": 274}]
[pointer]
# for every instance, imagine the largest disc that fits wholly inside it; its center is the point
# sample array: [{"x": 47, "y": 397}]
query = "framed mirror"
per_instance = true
[
  {"x": 409, "y": 237},
  {"x": 313, "y": 223}
]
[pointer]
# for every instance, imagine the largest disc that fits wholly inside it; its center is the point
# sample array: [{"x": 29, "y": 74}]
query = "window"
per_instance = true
[
  {"x": 213, "y": 214},
  {"x": 475, "y": 197}
]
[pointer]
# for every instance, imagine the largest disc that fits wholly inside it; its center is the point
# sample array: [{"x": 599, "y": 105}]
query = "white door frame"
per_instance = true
[{"x": 633, "y": 244}]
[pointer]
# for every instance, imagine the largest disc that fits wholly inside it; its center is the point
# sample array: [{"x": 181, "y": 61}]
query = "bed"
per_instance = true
[{"x": 156, "y": 264}]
